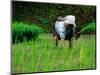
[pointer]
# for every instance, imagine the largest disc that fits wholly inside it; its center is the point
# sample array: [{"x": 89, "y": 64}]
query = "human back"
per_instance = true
[{"x": 60, "y": 28}]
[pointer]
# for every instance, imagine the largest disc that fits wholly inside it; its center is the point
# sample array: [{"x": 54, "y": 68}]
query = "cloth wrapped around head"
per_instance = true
[{"x": 70, "y": 19}]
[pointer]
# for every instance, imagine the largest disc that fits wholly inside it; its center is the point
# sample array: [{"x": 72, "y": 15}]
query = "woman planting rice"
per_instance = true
[{"x": 65, "y": 29}]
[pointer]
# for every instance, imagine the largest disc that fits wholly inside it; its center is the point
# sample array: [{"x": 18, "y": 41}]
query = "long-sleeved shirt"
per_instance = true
[{"x": 60, "y": 28}]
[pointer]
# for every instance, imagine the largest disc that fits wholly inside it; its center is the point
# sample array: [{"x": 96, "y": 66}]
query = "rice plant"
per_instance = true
[
  {"x": 90, "y": 28},
  {"x": 43, "y": 56},
  {"x": 24, "y": 32}
]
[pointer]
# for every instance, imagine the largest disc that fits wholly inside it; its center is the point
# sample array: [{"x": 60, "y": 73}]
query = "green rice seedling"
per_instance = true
[
  {"x": 90, "y": 28},
  {"x": 82, "y": 56},
  {"x": 22, "y": 31},
  {"x": 43, "y": 56}
]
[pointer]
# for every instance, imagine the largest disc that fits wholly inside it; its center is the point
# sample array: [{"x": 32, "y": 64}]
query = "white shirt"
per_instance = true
[{"x": 60, "y": 28}]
